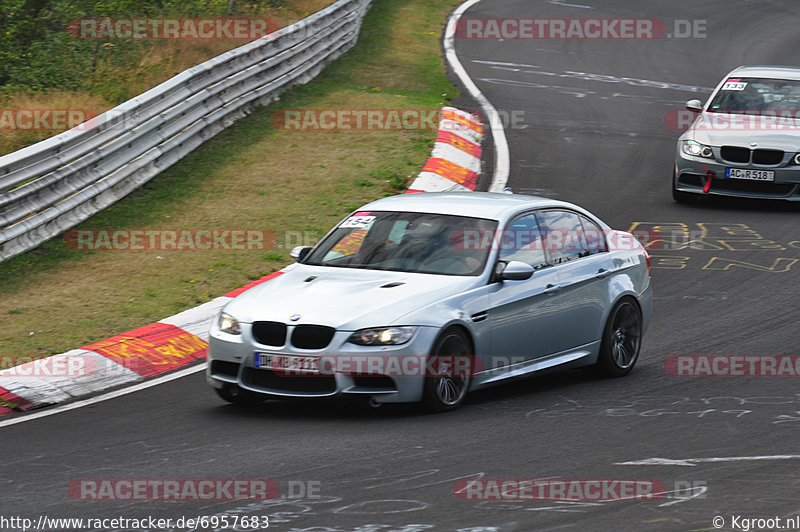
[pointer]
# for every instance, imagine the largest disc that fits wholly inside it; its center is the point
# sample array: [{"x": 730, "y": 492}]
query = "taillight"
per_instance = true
[{"x": 647, "y": 257}]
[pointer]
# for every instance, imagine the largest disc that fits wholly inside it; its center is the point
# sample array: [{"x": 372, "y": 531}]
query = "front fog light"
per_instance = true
[
  {"x": 228, "y": 324},
  {"x": 382, "y": 336}
]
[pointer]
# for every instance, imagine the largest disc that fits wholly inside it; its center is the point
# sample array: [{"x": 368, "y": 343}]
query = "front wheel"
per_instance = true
[
  {"x": 451, "y": 368},
  {"x": 622, "y": 338}
]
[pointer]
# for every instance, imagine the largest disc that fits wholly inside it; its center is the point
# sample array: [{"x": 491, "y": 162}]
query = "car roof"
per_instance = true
[
  {"x": 487, "y": 205},
  {"x": 767, "y": 71}
]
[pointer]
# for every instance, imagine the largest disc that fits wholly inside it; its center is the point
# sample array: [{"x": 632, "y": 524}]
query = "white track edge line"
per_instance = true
[
  {"x": 501, "y": 155},
  {"x": 104, "y": 397}
]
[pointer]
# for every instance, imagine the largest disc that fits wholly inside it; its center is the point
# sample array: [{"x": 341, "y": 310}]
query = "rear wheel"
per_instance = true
[
  {"x": 451, "y": 365},
  {"x": 622, "y": 338},
  {"x": 236, "y": 395}
]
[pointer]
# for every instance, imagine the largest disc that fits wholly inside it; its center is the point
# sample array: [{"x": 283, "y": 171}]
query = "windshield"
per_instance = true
[
  {"x": 754, "y": 95},
  {"x": 405, "y": 242}
]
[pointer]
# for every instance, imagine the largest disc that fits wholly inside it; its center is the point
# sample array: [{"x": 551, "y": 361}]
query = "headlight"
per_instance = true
[
  {"x": 691, "y": 147},
  {"x": 382, "y": 336},
  {"x": 228, "y": 324}
]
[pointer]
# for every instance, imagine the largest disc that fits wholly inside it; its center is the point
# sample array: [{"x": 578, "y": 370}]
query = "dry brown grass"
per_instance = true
[
  {"x": 12, "y": 140},
  {"x": 396, "y": 69},
  {"x": 159, "y": 61}
]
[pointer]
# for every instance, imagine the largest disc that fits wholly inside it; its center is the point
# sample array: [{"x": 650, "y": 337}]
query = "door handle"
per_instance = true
[
  {"x": 601, "y": 273},
  {"x": 552, "y": 289}
]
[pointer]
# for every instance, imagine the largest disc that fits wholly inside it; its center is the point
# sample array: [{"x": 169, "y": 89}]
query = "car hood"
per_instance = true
[
  {"x": 344, "y": 298},
  {"x": 721, "y": 129}
]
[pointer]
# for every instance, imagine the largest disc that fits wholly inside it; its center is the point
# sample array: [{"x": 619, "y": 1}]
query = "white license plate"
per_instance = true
[
  {"x": 287, "y": 363},
  {"x": 753, "y": 175}
]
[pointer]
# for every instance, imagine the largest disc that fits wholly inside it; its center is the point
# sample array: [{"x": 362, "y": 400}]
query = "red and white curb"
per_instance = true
[
  {"x": 182, "y": 339},
  {"x": 455, "y": 162},
  {"x": 129, "y": 357}
]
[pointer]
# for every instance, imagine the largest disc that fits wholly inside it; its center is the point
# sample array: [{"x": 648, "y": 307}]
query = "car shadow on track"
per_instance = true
[
  {"x": 537, "y": 386},
  {"x": 497, "y": 398},
  {"x": 318, "y": 410},
  {"x": 723, "y": 203}
]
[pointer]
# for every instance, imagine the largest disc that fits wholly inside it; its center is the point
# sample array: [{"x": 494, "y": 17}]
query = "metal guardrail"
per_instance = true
[{"x": 55, "y": 184}]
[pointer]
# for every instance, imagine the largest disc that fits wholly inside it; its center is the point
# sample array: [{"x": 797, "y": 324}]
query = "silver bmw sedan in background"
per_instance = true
[
  {"x": 423, "y": 297},
  {"x": 745, "y": 141}
]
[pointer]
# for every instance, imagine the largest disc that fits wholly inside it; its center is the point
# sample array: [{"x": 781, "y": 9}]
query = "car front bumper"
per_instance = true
[
  {"x": 349, "y": 372},
  {"x": 691, "y": 175}
]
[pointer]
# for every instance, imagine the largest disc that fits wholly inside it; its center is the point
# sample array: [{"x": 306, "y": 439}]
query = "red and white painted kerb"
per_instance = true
[
  {"x": 129, "y": 357},
  {"x": 182, "y": 339},
  {"x": 455, "y": 162}
]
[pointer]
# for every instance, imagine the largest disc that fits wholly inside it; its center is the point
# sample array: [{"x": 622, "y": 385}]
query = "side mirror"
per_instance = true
[
  {"x": 513, "y": 271},
  {"x": 299, "y": 253},
  {"x": 694, "y": 105}
]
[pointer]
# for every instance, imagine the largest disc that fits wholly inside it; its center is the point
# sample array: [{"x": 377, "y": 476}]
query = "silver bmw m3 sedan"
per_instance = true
[
  {"x": 424, "y": 297},
  {"x": 745, "y": 140}
]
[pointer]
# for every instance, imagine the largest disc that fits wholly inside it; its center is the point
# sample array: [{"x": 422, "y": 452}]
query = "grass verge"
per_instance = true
[
  {"x": 295, "y": 184},
  {"x": 120, "y": 69}
]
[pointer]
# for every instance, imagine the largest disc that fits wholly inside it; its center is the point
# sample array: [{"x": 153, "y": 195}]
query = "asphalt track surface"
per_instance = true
[{"x": 598, "y": 142}]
